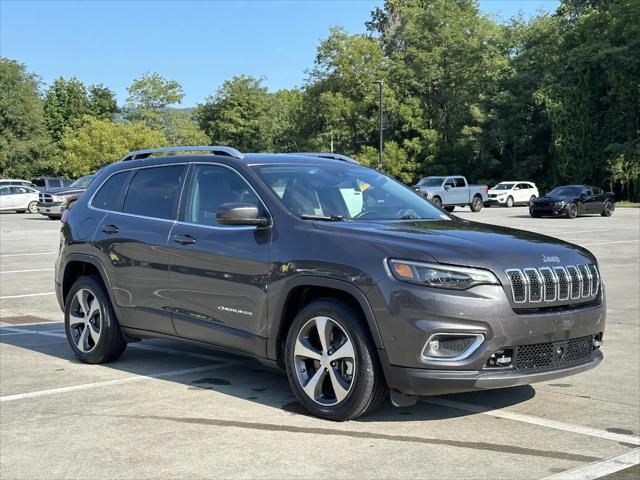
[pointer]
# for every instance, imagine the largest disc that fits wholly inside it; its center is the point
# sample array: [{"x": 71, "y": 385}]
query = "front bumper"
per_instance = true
[
  {"x": 548, "y": 211},
  {"x": 495, "y": 201},
  {"x": 51, "y": 208},
  {"x": 415, "y": 381}
]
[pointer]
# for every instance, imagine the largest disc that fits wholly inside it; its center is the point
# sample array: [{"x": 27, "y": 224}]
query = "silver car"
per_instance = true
[{"x": 18, "y": 198}]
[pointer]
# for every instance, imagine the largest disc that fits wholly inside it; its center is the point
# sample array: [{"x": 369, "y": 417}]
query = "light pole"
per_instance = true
[{"x": 381, "y": 148}]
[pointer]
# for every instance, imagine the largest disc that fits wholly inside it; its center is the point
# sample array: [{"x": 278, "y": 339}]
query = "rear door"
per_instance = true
[
  {"x": 595, "y": 201},
  {"x": 6, "y": 199},
  {"x": 219, "y": 273},
  {"x": 459, "y": 194},
  {"x": 132, "y": 237}
]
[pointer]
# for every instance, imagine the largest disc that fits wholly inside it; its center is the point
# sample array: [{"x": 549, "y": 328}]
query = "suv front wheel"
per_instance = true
[
  {"x": 92, "y": 330},
  {"x": 332, "y": 363}
]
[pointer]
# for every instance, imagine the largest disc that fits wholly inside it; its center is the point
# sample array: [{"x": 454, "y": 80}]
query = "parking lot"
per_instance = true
[{"x": 171, "y": 410}]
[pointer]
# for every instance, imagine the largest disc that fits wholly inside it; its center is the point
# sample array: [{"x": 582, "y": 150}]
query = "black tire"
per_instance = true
[
  {"x": 111, "y": 344},
  {"x": 476, "y": 204},
  {"x": 450, "y": 209},
  {"x": 54, "y": 217},
  {"x": 534, "y": 215},
  {"x": 607, "y": 210},
  {"x": 32, "y": 207},
  {"x": 509, "y": 202},
  {"x": 572, "y": 210},
  {"x": 367, "y": 389},
  {"x": 532, "y": 199},
  {"x": 436, "y": 202}
]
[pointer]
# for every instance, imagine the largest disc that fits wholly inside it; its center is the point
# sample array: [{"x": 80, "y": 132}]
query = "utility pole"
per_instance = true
[{"x": 381, "y": 148}]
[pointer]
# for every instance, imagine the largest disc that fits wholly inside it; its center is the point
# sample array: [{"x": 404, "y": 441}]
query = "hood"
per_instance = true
[
  {"x": 498, "y": 192},
  {"x": 459, "y": 242},
  {"x": 556, "y": 198},
  {"x": 64, "y": 191}
]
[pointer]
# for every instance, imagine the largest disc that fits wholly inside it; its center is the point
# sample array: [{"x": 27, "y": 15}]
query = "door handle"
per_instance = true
[
  {"x": 109, "y": 229},
  {"x": 184, "y": 239}
]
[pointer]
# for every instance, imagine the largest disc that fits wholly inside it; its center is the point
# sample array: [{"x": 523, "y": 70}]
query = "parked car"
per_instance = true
[
  {"x": 53, "y": 202},
  {"x": 47, "y": 183},
  {"x": 451, "y": 192},
  {"x": 18, "y": 198},
  {"x": 512, "y": 193},
  {"x": 345, "y": 278},
  {"x": 16, "y": 181},
  {"x": 574, "y": 200}
]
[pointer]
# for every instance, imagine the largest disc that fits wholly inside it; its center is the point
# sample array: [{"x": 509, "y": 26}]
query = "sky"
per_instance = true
[{"x": 198, "y": 43}]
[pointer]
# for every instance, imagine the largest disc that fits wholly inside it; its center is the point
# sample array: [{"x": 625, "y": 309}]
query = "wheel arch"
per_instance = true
[
  {"x": 77, "y": 265},
  {"x": 301, "y": 291}
]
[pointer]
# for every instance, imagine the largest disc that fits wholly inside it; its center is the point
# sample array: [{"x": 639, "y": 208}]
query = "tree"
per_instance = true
[
  {"x": 238, "y": 114},
  {"x": 102, "y": 102},
  {"x": 180, "y": 128},
  {"x": 24, "y": 141},
  {"x": 396, "y": 161},
  {"x": 99, "y": 142},
  {"x": 65, "y": 104},
  {"x": 152, "y": 91}
]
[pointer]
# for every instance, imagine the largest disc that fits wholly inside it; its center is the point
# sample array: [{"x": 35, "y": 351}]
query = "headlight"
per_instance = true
[
  {"x": 559, "y": 204},
  {"x": 58, "y": 199},
  {"x": 440, "y": 276}
]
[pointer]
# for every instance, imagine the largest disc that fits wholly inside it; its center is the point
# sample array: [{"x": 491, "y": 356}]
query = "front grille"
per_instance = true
[
  {"x": 573, "y": 283},
  {"x": 541, "y": 356},
  {"x": 493, "y": 195},
  {"x": 45, "y": 198}
]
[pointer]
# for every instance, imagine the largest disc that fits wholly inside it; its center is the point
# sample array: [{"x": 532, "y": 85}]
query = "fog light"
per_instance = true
[{"x": 451, "y": 346}]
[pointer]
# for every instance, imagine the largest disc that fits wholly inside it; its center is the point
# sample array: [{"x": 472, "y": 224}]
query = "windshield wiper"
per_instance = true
[{"x": 330, "y": 218}]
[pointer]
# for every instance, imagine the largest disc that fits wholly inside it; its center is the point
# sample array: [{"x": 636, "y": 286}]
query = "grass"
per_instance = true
[{"x": 628, "y": 204}]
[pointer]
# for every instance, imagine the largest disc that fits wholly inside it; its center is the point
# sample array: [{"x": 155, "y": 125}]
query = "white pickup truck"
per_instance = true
[{"x": 451, "y": 192}]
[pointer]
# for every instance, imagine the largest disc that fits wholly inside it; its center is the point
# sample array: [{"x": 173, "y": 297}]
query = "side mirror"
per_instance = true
[
  {"x": 517, "y": 188},
  {"x": 583, "y": 195},
  {"x": 240, "y": 214},
  {"x": 447, "y": 187}
]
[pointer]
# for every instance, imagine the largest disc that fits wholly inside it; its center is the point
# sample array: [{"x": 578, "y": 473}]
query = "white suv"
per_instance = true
[{"x": 509, "y": 194}]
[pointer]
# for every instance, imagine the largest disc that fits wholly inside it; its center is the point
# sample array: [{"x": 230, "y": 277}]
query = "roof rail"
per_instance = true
[
  {"x": 214, "y": 150},
  {"x": 333, "y": 156}
]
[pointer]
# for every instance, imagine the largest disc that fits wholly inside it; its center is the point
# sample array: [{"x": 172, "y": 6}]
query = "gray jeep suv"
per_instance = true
[{"x": 351, "y": 282}]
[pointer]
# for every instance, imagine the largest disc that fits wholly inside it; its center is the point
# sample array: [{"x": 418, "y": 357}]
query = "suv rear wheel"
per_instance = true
[
  {"x": 92, "y": 330},
  {"x": 332, "y": 363}
]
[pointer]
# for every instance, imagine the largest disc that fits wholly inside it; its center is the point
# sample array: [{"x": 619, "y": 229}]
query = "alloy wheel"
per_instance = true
[
  {"x": 33, "y": 207},
  {"x": 85, "y": 320},
  {"x": 324, "y": 360}
]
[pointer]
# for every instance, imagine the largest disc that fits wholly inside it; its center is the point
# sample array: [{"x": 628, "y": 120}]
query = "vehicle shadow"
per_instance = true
[{"x": 240, "y": 377}]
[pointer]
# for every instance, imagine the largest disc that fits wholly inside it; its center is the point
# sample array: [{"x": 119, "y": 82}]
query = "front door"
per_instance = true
[
  {"x": 219, "y": 273},
  {"x": 132, "y": 238}
]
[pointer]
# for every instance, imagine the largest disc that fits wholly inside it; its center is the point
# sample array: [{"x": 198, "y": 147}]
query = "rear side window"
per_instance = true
[
  {"x": 110, "y": 193},
  {"x": 154, "y": 192}
]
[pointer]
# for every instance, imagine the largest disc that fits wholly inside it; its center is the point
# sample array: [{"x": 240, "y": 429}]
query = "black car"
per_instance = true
[
  {"x": 348, "y": 280},
  {"x": 573, "y": 200},
  {"x": 54, "y": 201}
]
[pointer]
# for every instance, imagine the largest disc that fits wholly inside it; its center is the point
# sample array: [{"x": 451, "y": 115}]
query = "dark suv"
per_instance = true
[{"x": 350, "y": 281}]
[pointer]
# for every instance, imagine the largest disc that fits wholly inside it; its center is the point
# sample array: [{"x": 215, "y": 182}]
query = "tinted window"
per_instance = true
[
  {"x": 460, "y": 182},
  {"x": 211, "y": 187},
  {"x": 54, "y": 183},
  {"x": 431, "y": 182},
  {"x": 565, "y": 192},
  {"x": 4, "y": 191},
  {"x": 83, "y": 182},
  {"x": 109, "y": 195},
  {"x": 153, "y": 192},
  {"x": 597, "y": 191}
]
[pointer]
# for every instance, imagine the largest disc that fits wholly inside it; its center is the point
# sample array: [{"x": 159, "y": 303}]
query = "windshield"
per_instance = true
[
  {"x": 83, "y": 182},
  {"x": 345, "y": 192},
  {"x": 431, "y": 181},
  {"x": 565, "y": 192},
  {"x": 503, "y": 186}
]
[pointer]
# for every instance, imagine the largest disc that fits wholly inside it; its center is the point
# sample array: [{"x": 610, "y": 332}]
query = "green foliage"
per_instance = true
[
  {"x": 151, "y": 91},
  {"x": 396, "y": 161},
  {"x": 99, "y": 142},
  {"x": 65, "y": 103},
  {"x": 102, "y": 101},
  {"x": 238, "y": 115},
  {"x": 23, "y": 137}
]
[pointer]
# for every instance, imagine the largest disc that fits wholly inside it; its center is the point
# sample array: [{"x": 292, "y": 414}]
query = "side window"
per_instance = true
[
  {"x": 450, "y": 183},
  {"x": 586, "y": 191},
  {"x": 154, "y": 192},
  {"x": 597, "y": 191},
  {"x": 54, "y": 183},
  {"x": 109, "y": 195},
  {"x": 5, "y": 191},
  {"x": 211, "y": 187},
  {"x": 460, "y": 182}
]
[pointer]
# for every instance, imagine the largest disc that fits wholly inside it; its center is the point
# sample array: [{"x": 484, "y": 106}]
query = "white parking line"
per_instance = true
[
  {"x": 28, "y": 271},
  {"x": 608, "y": 243},
  {"x": 6, "y": 297},
  {"x": 87, "y": 386},
  {"x": 530, "y": 419},
  {"x": 26, "y": 254},
  {"x": 600, "y": 469}
]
